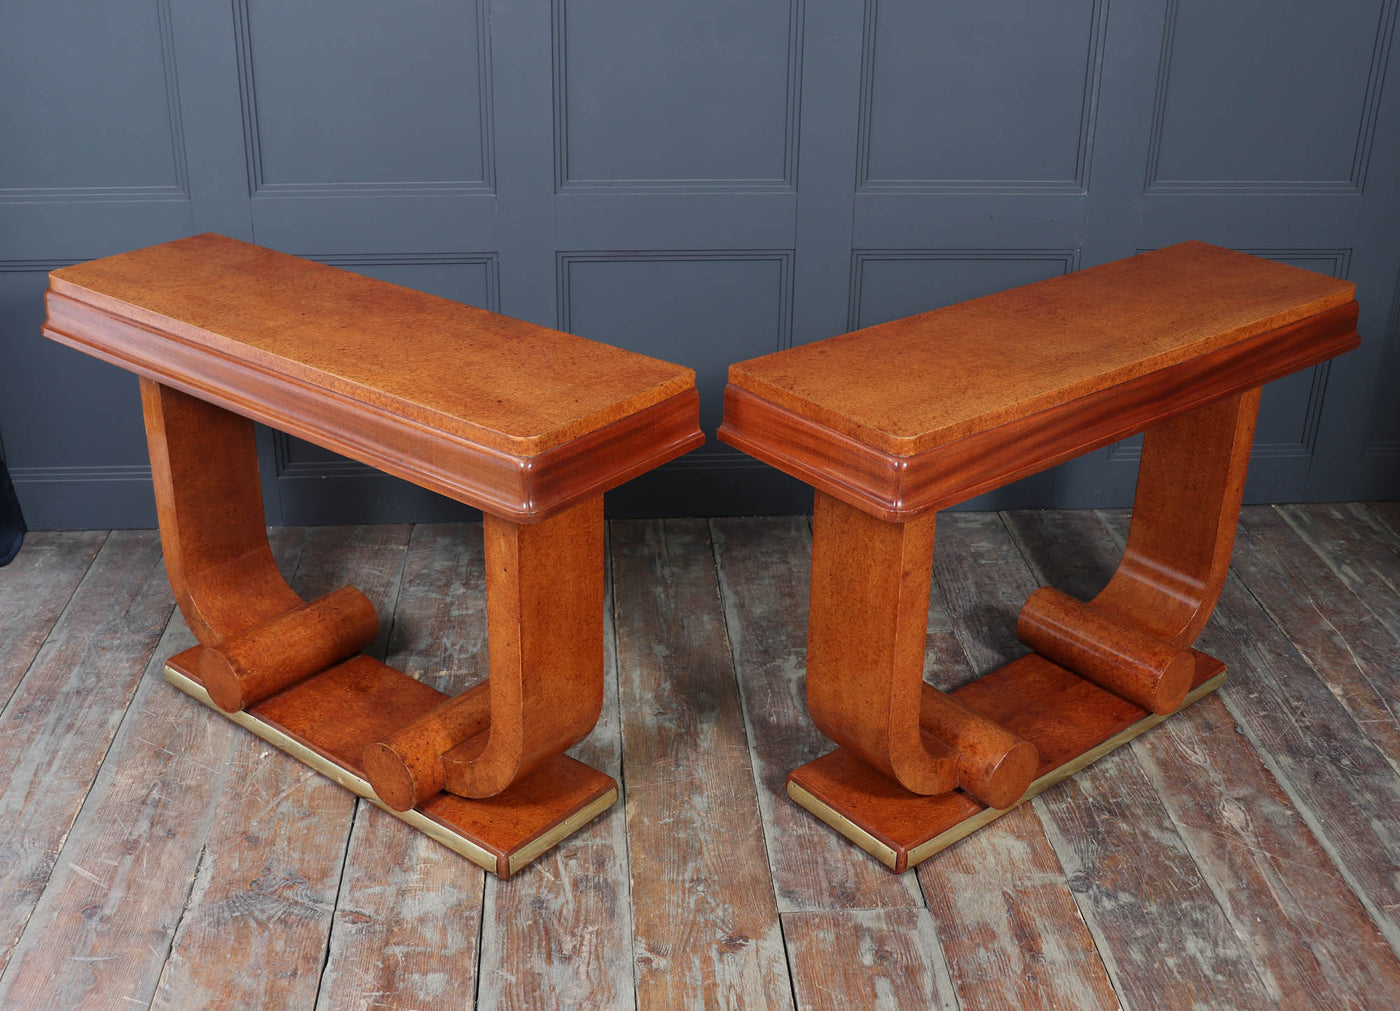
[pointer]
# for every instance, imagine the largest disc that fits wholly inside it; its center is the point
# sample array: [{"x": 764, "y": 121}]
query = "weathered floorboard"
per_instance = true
[
  {"x": 980, "y": 581},
  {"x": 61, "y": 718},
  {"x": 34, "y": 589},
  {"x": 102, "y": 929},
  {"x": 1304, "y": 929},
  {"x": 1361, "y": 544},
  {"x": 259, "y": 916},
  {"x": 1163, "y": 935},
  {"x": 1352, "y": 651},
  {"x": 1011, "y": 933},
  {"x": 705, "y": 926},
  {"x": 1265, "y": 807},
  {"x": 559, "y": 933},
  {"x": 764, "y": 567},
  {"x": 1339, "y": 782},
  {"x": 408, "y": 916},
  {"x": 875, "y": 958}
]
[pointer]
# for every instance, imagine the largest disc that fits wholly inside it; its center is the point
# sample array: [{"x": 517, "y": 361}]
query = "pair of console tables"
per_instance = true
[{"x": 532, "y": 425}]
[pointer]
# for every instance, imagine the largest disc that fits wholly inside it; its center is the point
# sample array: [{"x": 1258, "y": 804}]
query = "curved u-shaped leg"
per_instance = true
[
  {"x": 544, "y": 634},
  {"x": 1185, "y": 511},
  {"x": 1134, "y": 637},
  {"x": 205, "y": 469},
  {"x": 865, "y": 660},
  {"x": 544, "y": 618},
  {"x": 258, "y": 635}
]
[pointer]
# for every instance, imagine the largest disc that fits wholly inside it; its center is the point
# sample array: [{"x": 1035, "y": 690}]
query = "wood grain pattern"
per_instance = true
[
  {"x": 560, "y": 933},
  {"x": 102, "y": 929},
  {"x": 879, "y": 958},
  {"x": 204, "y": 468},
  {"x": 408, "y": 914},
  {"x": 546, "y": 647},
  {"x": 705, "y": 927},
  {"x": 1350, "y": 648},
  {"x": 1170, "y": 942},
  {"x": 1305, "y": 930},
  {"x": 1340, "y": 783},
  {"x": 865, "y": 643},
  {"x": 61, "y": 719},
  {"x": 1123, "y": 860},
  {"x": 36, "y": 587},
  {"x": 764, "y": 566},
  {"x": 1010, "y": 931},
  {"x": 896, "y": 487},
  {"x": 910, "y": 385},
  {"x": 1128, "y": 662},
  {"x": 246, "y": 668},
  {"x": 266, "y": 886},
  {"x": 1361, "y": 545},
  {"x": 1292, "y": 845},
  {"x": 336, "y": 358},
  {"x": 504, "y": 383}
]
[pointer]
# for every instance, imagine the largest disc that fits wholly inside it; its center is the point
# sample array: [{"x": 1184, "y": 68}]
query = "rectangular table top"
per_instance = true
[
  {"x": 910, "y": 385},
  {"x": 514, "y": 418},
  {"x": 502, "y": 382},
  {"x": 925, "y": 412}
]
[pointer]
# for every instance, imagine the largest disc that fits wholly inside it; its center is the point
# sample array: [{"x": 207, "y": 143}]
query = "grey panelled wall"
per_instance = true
[{"x": 703, "y": 181}]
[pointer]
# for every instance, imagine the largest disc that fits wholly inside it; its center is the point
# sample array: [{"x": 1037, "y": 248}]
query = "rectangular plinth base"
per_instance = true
[
  {"x": 1071, "y": 721},
  {"x": 328, "y": 720}
]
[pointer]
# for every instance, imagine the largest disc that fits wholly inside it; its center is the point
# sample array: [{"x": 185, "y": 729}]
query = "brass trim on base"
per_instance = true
[
  {"x": 889, "y": 856},
  {"x": 885, "y": 854},
  {"x": 342, "y": 776}
]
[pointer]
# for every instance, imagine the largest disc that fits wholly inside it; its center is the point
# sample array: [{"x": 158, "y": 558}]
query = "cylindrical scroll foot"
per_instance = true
[
  {"x": 994, "y": 765},
  {"x": 244, "y": 669},
  {"x": 1132, "y": 664},
  {"x": 407, "y": 768}
]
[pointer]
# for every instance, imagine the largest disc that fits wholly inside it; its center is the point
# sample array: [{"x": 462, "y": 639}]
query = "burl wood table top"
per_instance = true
[
  {"x": 928, "y": 411},
  {"x": 516, "y": 419},
  {"x": 501, "y": 382},
  {"x": 913, "y": 384}
]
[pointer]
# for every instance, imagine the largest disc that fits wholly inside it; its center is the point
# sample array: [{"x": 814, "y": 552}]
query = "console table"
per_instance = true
[
  {"x": 528, "y": 424},
  {"x": 891, "y": 423}
]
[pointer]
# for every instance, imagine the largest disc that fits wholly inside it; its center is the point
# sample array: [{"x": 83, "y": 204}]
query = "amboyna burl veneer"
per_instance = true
[
  {"x": 528, "y": 424},
  {"x": 892, "y": 423}
]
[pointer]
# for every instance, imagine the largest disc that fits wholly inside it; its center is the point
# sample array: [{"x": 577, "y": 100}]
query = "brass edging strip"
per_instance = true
[
  {"x": 880, "y": 851},
  {"x": 565, "y": 828},
  {"x": 965, "y": 828},
  {"x": 344, "y": 777}
]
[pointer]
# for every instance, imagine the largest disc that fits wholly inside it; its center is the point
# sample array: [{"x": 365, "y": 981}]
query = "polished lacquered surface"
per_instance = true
[
  {"x": 503, "y": 383},
  {"x": 917, "y": 383}
]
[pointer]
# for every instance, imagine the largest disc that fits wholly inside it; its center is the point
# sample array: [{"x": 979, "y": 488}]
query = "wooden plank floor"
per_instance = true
[{"x": 1245, "y": 854}]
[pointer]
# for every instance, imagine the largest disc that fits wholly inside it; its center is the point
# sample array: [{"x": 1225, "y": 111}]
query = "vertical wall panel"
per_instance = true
[
  {"x": 703, "y": 310},
  {"x": 109, "y": 122},
  {"x": 1255, "y": 94},
  {"x": 675, "y": 94},
  {"x": 976, "y": 95},
  {"x": 701, "y": 182},
  {"x": 888, "y": 284},
  {"x": 373, "y": 95}
]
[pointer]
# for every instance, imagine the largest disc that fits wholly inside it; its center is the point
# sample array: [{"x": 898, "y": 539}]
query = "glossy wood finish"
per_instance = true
[
  {"x": 865, "y": 653},
  {"x": 528, "y": 423},
  {"x": 901, "y": 487},
  {"x": 914, "y": 384},
  {"x": 246, "y": 668},
  {"x": 1128, "y": 662},
  {"x": 518, "y": 420},
  {"x": 892, "y": 422}
]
